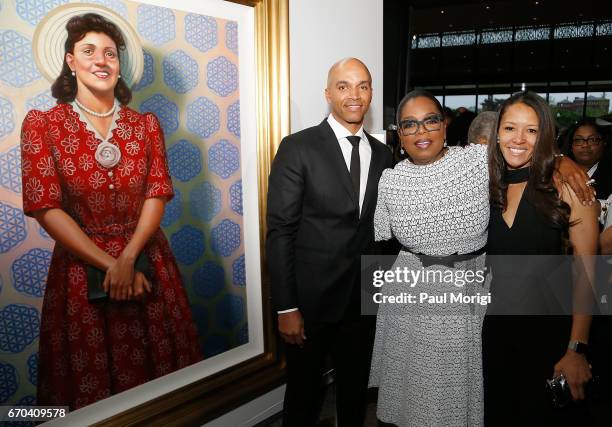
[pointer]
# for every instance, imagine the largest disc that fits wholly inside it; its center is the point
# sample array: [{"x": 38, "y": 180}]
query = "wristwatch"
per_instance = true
[{"x": 578, "y": 347}]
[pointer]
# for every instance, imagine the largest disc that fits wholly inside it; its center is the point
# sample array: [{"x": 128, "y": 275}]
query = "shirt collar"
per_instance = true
[
  {"x": 342, "y": 132},
  {"x": 592, "y": 170}
]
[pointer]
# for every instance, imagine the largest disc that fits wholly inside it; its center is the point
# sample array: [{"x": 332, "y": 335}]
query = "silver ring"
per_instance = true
[{"x": 590, "y": 182}]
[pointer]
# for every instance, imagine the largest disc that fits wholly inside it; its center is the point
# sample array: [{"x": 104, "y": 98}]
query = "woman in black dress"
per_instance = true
[{"x": 530, "y": 215}]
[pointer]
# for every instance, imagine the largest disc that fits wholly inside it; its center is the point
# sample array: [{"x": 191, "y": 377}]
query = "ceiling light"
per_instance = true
[{"x": 442, "y": 11}]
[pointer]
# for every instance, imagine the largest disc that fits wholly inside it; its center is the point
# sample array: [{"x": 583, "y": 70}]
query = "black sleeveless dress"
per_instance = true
[{"x": 521, "y": 347}]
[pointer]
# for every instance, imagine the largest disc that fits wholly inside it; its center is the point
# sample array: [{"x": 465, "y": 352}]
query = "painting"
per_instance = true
[{"x": 216, "y": 76}]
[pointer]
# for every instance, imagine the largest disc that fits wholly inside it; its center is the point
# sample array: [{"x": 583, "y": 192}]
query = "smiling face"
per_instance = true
[
  {"x": 424, "y": 147},
  {"x": 518, "y": 134},
  {"x": 349, "y": 92},
  {"x": 95, "y": 61},
  {"x": 587, "y": 154}
]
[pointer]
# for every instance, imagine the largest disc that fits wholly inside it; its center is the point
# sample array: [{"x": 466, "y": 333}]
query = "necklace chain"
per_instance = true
[{"x": 94, "y": 113}]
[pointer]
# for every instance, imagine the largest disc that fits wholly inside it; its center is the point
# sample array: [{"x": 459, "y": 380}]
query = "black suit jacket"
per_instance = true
[{"x": 315, "y": 235}]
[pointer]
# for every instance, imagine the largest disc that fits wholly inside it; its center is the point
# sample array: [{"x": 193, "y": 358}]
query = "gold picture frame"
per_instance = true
[{"x": 212, "y": 396}]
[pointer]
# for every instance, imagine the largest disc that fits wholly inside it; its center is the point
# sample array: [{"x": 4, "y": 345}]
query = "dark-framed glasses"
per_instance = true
[
  {"x": 430, "y": 124},
  {"x": 591, "y": 140}
]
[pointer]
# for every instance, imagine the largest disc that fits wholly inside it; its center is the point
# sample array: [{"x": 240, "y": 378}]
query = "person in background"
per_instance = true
[
  {"x": 588, "y": 146},
  {"x": 321, "y": 200},
  {"x": 482, "y": 127},
  {"x": 457, "y": 131},
  {"x": 95, "y": 176}
]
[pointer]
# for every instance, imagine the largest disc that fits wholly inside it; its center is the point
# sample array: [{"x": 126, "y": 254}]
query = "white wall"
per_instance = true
[{"x": 320, "y": 33}]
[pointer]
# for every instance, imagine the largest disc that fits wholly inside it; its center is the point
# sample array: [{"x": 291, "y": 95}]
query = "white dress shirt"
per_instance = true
[{"x": 365, "y": 155}]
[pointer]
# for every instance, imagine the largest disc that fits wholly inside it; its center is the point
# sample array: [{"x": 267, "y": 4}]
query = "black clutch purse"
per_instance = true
[
  {"x": 95, "y": 278},
  {"x": 559, "y": 391}
]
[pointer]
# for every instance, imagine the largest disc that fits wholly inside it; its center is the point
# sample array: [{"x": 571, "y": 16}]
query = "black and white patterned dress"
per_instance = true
[{"x": 427, "y": 357}]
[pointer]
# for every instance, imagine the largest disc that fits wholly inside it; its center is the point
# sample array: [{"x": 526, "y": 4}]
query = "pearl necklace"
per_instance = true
[{"x": 93, "y": 113}]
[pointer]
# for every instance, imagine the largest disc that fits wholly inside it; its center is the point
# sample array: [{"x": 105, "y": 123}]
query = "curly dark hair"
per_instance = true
[
  {"x": 540, "y": 190},
  {"x": 64, "y": 88}
]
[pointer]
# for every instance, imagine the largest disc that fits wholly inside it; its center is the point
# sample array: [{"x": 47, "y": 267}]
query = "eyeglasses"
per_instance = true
[
  {"x": 430, "y": 124},
  {"x": 591, "y": 140}
]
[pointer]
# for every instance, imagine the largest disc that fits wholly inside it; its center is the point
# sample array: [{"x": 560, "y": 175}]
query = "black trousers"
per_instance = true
[{"x": 349, "y": 343}]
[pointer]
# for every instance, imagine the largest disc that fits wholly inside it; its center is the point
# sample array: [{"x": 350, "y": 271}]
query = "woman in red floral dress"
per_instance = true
[{"x": 95, "y": 176}]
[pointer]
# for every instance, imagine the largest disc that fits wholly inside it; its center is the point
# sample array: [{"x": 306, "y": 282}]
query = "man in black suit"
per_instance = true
[{"x": 321, "y": 200}]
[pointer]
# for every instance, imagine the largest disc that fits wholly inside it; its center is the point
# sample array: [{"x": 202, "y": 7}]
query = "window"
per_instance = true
[
  {"x": 567, "y": 107},
  {"x": 457, "y": 101}
]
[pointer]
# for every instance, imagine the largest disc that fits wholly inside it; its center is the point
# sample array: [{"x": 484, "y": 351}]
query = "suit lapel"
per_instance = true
[
  {"x": 376, "y": 165},
  {"x": 335, "y": 154}
]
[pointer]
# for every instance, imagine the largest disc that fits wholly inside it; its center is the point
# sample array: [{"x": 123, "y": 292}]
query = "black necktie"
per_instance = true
[{"x": 355, "y": 169}]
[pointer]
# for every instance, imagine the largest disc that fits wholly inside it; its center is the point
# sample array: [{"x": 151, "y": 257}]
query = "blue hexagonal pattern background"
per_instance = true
[
  {"x": 8, "y": 381},
  {"x": 239, "y": 271},
  {"x": 185, "y": 160},
  {"x": 10, "y": 169},
  {"x": 215, "y": 344},
  {"x": 229, "y": 311},
  {"x": 225, "y": 237},
  {"x": 236, "y": 197},
  {"x": 201, "y": 31},
  {"x": 43, "y": 233},
  {"x": 231, "y": 36},
  {"x": 18, "y": 327},
  {"x": 165, "y": 110},
  {"x": 33, "y": 368},
  {"x": 7, "y": 120},
  {"x": 203, "y": 117},
  {"x": 233, "y": 118},
  {"x": 156, "y": 24},
  {"x": 223, "y": 158},
  {"x": 17, "y": 67},
  {"x": 116, "y": 5},
  {"x": 32, "y": 11},
  {"x": 180, "y": 71},
  {"x": 222, "y": 76},
  {"x": 173, "y": 209},
  {"x": 242, "y": 335},
  {"x": 30, "y": 272},
  {"x": 12, "y": 227},
  {"x": 43, "y": 102},
  {"x": 187, "y": 244},
  {"x": 148, "y": 72},
  {"x": 208, "y": 280},
  {"x": 205, "y": 201}
]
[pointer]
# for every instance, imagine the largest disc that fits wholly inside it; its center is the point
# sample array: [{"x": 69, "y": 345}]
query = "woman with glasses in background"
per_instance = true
[{"x": 587, "y": 146}]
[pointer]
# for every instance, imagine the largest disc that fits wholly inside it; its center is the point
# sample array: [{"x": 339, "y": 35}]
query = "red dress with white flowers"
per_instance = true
[{"x": 89, "y": 351}]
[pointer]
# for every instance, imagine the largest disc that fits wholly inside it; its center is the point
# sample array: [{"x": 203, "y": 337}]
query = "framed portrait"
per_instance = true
[{"x": 216, "y": 74}]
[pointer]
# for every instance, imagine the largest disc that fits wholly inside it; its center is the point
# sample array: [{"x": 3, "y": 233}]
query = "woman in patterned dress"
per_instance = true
[{"x": 95, "y": 176}]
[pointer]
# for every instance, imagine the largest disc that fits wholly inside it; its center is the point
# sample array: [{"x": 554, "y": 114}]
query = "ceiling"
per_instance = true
[{"x": 442, "y": 16}]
